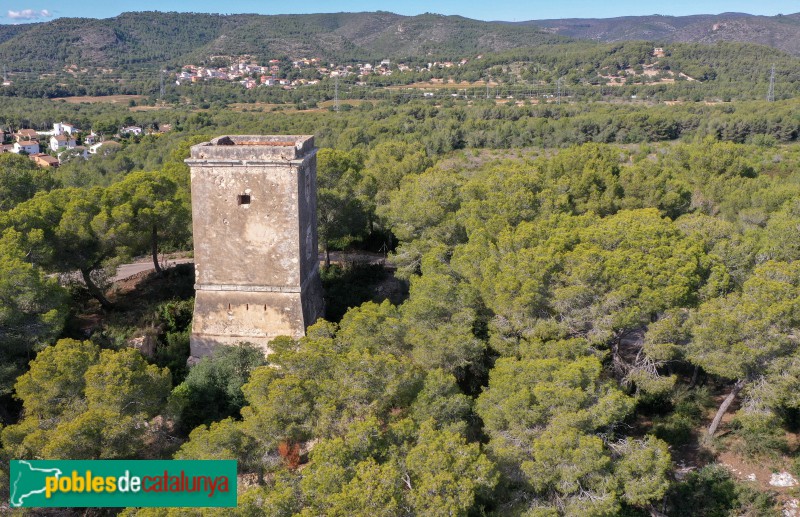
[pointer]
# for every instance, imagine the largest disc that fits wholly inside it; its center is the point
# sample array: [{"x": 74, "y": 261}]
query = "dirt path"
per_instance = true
[{"x": 338, "y": 257}]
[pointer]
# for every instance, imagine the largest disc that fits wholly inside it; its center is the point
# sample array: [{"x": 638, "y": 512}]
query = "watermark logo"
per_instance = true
[{"x": 122, "y": 483}]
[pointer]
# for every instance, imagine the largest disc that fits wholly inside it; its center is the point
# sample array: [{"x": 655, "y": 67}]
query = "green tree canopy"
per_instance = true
[
  {"x": 20, "y": 180},
  {"x": 33, "y": 309},
  {"x": 83, "y": 403}
]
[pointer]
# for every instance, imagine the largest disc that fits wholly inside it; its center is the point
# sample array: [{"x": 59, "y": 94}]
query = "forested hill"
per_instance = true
[
  {"x": 9, "y": 31},
  {"x": 781, "y": 32},
  {"x": 159, "y": 39}
]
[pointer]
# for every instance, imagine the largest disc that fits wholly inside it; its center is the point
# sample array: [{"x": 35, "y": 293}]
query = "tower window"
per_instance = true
[{"x": 243, "y": 199}]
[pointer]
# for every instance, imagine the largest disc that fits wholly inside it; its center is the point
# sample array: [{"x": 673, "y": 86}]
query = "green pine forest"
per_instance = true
[{"x": 593, "y": 304}]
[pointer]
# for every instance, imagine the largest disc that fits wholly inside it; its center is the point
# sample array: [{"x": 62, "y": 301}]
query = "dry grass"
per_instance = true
[
  {"x": 250, "y": 106},
  {"x": 149, "y": 108},
  {"x": 108, "y": 99}
]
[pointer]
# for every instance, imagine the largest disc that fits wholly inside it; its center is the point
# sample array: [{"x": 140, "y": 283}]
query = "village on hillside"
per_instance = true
[
  {"x": 299, "y": 72},
  {"x": 292, "y": 73}
]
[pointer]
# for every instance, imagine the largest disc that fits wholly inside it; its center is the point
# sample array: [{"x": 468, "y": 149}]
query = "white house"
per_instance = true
[
  {"x": 60, "y": 128},
  {"x": 104, "y": 147},
  {"x": 133, "y": 130},
  {"x": 91, "y": 138},
  {"x": 28, "y": 146},
  {"x": 81, "y": 151},
  {"x": 62, "y": 141}
]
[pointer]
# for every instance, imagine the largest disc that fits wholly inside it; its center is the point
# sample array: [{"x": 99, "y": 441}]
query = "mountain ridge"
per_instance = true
[
  {"x": 149, "y": 38},
  {"x": 153, "y": 39},
  {"x": 780, "y": 31}
]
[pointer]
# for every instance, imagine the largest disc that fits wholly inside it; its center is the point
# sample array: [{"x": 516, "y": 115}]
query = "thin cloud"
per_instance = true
[{"x": 29, "y": 14}]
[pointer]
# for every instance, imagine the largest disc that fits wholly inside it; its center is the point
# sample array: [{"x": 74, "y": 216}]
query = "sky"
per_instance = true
[{"x": 26, "y": 11}]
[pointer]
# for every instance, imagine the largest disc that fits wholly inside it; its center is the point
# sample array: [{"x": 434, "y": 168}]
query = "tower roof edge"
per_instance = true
[{"x": 254, "y": 147}]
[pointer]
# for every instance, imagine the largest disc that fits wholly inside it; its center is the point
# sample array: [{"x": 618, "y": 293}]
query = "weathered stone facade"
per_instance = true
[{"x": 254, "y": 218}]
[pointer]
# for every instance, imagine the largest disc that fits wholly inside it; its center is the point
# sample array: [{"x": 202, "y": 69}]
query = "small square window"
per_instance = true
[{"x": 243, "y": 199}]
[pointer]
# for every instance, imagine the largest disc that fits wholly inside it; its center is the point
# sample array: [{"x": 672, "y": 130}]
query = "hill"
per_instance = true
[
  {"x": 122, "y": 54},
  {"x": 9, "y": 31},
  {"x": 781, "y": 32},
  {"x": 157, "y": 39}
]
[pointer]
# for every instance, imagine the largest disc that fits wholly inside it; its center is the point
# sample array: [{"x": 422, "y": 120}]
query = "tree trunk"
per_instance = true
[
  {"x": 327, "y": 257},
  {"x": 617, "y": 362},
  {"x": 695, "y": 374},
  {"x": 154, "y": 249},
  {"x": 95, "y": 291},
  {"x": 724, "y": 407}
]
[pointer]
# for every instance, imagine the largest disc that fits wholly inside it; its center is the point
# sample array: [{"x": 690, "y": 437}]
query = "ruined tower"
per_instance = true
[{"x": 254, "y": 219}]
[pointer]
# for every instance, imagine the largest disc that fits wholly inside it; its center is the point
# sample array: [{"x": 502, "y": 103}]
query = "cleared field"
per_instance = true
[
  {"x": 351, "y": 102},
  {"x": 149, "y": 108},
  {"x": 289, "y": 108},
  {"x": 108, "y": 99},
  {"x": 265, "y": 106}
]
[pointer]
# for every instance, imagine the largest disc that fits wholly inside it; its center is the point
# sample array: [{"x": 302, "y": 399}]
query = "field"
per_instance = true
[
  {"x": 107, "y": 99},
  {"x": 254, "y": 106}
]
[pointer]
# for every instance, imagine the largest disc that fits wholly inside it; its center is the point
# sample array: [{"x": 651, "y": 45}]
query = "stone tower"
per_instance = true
[{"x": 254, "y": 219}]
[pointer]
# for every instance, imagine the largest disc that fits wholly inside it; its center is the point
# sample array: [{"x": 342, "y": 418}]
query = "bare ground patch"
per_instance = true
[{"x": 108, "y": 99}]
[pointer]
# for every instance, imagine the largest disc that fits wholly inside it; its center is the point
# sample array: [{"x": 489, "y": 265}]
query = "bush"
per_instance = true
[
  {"x": 173, "y": 320},
  {"x": 176, "y": 314},
  {"x": 758, "y": 434},
  {"x": 212, "y": 390},
  {"x": 712, "y": 492},
  {"x": 676, "y": 428},
  {"x": 173, "y": 353}
]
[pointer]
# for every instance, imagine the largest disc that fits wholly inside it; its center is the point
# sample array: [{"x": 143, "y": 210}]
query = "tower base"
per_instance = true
[{"x": 230, "y": 316}]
